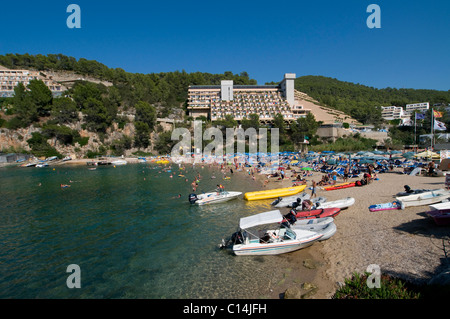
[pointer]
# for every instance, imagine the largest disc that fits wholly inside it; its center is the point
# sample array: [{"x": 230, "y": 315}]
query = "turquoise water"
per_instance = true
[{"x": 127, "y": 231}]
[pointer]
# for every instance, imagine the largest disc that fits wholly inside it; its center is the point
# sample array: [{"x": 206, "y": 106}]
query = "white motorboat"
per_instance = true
[
  {"x": 340, "y": 203},
  {"x": 272, "y": 239},
  {"x": 213, "y": 197},
  {"x": 426, "y": 198},
  {"x": 42, "y": 165},
  {"x": 324, "y": 226},
  {"x": 288, "y": 200}
]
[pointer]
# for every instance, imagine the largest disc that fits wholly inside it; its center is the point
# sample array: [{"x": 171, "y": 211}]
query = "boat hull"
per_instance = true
[
  {"x": 277, "y": 248},
  {"x": 440, "y": 217},
  {"x": 326, "y": 227},
  {"x": 213, "y": 198},
  {"x": 339, "y": 186},
  {"x": 342, "y": 203}
]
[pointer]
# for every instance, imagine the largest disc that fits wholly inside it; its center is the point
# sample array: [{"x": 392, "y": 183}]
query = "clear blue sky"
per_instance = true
[{"x": 264, "y": 38}]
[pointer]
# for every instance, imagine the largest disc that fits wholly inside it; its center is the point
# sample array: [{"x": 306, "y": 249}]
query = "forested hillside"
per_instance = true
[{"x": 363, "y": 102}]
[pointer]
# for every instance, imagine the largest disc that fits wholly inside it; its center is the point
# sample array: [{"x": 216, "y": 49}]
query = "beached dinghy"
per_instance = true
[
  {"x": 441, "y": 217},
  {"x": 426, "y": 198},
  {"x": 298, "y": 203},
  {"x": 317, "y": 213},
  {"x": 263, "y": 234},
  {"x": 339, "y": 186},
  {"x": 340, "y": 203},
  {"x": 285, "y": 201},
  {"x": 324, "y": 226},
  {"x": 408, "y": 191},
  {"x": 213, "y": 197}
]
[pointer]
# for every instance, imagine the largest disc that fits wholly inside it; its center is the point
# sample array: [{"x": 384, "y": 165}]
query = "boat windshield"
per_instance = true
[{"x": 289, "y": 234}]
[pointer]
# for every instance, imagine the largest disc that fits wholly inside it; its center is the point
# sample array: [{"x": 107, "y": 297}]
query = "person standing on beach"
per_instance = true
[
  {"x": 313, "y": 191},
  {"x": 346, "y": 172}
]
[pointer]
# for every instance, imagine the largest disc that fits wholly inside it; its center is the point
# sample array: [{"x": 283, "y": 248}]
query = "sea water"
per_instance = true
[{"x": 128, "y": 232}]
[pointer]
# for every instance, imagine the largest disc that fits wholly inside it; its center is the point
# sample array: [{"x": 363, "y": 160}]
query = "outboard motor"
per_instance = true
[
  {"x": 291, "y": 217},
  {"x": 297, "y": 203},
  {"x": 408, "y": 189},
  {"x": 193, "y": 198},
  {"x": 276, "y": 201}
]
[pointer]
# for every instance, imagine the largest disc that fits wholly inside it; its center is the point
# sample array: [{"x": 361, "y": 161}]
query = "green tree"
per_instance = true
[
  {"x": 141, "y": 137},
  {"x": 96, "y": 115},
  {"x": 304, "y": 127},
  {"x": 24, "y": 107},
  {"x": 41, "y": 96},
  {"x": 278, "y": 122},
  {"x": 146, "y": 113},
  {"x": 253, "y": 121},
  {"x": 64, "y": 110}
]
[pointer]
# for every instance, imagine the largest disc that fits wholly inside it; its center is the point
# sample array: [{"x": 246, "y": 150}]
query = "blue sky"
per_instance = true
[{"x": 264, "y": 38}]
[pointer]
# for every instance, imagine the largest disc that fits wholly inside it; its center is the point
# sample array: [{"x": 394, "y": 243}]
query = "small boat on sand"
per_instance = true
[
  {"x": 340, "y": 203},
  {"x": 264, "y": 234},
  {"x": 339, "y": 186},
  {"x": 317, "y": 213},
  {"x": 426, "y": 198}
]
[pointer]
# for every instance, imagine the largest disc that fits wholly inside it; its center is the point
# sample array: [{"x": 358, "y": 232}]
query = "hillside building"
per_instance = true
[
  {"x": 9, "y": 79},
  {"x": 217, "y": 101}
]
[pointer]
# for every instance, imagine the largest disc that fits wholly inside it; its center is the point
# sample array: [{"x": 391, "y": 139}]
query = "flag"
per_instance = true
[
  {"x": 420, "y": 116},
  {"x": 437, "y": 114},
  {"x": 439, "y": 126}
]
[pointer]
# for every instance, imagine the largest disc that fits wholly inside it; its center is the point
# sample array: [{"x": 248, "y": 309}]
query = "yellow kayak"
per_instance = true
[{"x": 274, "y": 193}]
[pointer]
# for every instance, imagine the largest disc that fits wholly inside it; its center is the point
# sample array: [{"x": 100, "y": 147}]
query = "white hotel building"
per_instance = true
[
  {"x": 9, "y": 79},
  {"x": 217, "y": 101}
]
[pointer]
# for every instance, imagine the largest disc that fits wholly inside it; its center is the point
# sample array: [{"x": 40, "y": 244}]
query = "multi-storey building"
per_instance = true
[
  {"x": 239, "y": 101},
  {"x": 417, "y": 107},
  {"x": 9, "y": 79},
  {"x": 392, "y": 112}
]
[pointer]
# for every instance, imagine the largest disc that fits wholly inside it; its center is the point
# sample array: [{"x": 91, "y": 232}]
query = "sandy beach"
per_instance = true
[{"x": 403, "y": 243}]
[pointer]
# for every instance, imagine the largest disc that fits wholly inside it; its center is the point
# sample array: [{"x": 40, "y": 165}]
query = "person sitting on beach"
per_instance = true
[{"x": 307, "y": 204}]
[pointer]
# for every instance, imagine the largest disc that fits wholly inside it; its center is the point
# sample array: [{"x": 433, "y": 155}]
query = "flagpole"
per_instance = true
[
  {"x": 432, "y": 128},
  {"x": 415, "y": 129}
]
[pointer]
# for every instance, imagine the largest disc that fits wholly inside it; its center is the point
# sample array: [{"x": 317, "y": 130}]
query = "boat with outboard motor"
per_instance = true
[
  {"x": 213, "y": 197},
  {"x": 272, "y": 239},
  {"x": 425, "y": 198}
]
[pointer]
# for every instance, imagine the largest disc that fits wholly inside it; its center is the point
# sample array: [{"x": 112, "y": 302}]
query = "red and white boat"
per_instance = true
[{"x": 317, "y": 213}]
